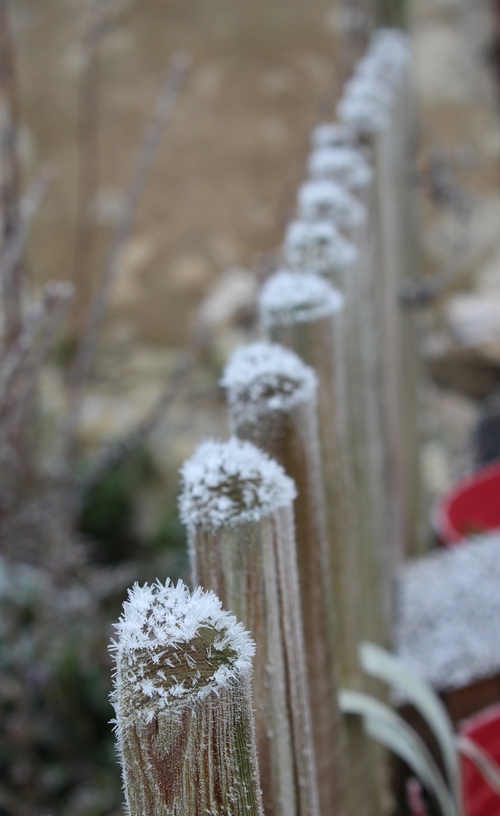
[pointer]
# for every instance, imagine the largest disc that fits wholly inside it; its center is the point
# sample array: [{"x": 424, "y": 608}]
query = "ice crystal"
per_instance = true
[
  {"x": 325, "y": 199},
  {"x": 173, "y": 644},
  {"x": 390, "y": 43},
  {"x": 265, "y": 377},
  {"x": 317, "y": 246},
  {"x": 363, "y": 115},
  {"x": 345, "y": 165},
  {"x": 231, "y": 483},
  {"x": 331, "y": 134},
  {"x": 370, "y": 89},
  {"x": 448, "y": 614},
  {"x": 376, "y": 68},
  {"x": 288, "y": 298}
]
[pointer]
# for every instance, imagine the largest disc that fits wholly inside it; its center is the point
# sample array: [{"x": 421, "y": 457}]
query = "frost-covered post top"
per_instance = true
[
  {"x": 391, "y": 44},
  {"x": 345, "y": 165},
  {"x": 331, "y": 134},
  {"x": 288, "y": 298},
  {"x": 325, "y": 199},
  {"x": 262, "y": 378},
  {"x": 369, "y": 97},
  {"x": 363, "y": 114},
  {"x": 173, "y": 647},
  {"x": 226, "y": 484},
  {"x": 318, "y": 247}
]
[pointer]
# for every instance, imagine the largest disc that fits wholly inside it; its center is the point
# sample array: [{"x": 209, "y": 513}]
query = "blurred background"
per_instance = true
[{"x": 262, "y": 73}]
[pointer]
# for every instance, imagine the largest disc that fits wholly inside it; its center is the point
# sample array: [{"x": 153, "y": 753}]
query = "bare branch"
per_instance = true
[
  {"x": 31, "y": 355},
  {"x": 12, "y": 249},
  {"x": 104, "y": 16},
  {"x": 10, "y": 170},
  {"x": 163, "y": 111},
  {"x": 119, "y": 449}
]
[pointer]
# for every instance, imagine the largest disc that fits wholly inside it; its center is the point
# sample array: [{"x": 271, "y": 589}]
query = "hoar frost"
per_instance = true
[
  {"x": 288, "y": 298},
  {"x": 325, "y": 199},
  {"x": 368, "y": 97},
  {"x": 265, "y": 377},
  {"x": 318, "y": 247},
  {"x": 231, "y": 483},
  {"x": 174, "y": 645},
  {"x": 331, "y": 134},
  {"x": 345, "y": 165},
  {"x": 448, "y": 620}
]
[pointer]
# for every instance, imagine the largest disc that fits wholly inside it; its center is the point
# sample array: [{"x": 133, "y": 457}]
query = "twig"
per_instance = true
[
  {"x": 56, "y": 299},
  {"x": 164, "y": 109},
  {"x": 104, "y": 16},
  {"x": 10, "y": 172},
  {"x": 120, "y": 449},
  {"x": 12, "y": 249}
]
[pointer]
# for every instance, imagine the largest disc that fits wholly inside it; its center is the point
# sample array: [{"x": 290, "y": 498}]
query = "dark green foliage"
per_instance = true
[{"x": 107, "y": 516}]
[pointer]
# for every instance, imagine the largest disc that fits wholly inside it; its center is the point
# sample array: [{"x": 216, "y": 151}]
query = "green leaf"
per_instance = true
[
  {"x": 379, "y": 663},
  {"x": 388, "y": 728}
]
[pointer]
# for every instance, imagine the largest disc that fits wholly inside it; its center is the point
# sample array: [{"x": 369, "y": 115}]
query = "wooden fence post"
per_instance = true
[
  {"x": 272, "y": 403},
  {"x": 237, "y": 505},
  {"x": 184, "y": 720}
]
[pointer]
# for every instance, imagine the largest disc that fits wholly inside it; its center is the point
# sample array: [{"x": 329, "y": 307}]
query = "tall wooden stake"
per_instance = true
[
  {"x": 237, "y": 504},
  {"x": 183, "y": 706},
  {"x": 303, "y": 312},
  {"x": 272, "y": 403}
]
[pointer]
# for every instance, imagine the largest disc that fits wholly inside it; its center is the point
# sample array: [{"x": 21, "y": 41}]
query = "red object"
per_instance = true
[
  {"x": 472, "y": 507},
  {"x": 484, "y": 730},
  {"x": 415, "y": 798}
]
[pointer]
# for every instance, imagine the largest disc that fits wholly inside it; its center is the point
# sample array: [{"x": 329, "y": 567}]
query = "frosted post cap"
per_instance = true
[
  {"x": 331, "y": 134},
  {"x": 288, "y": 298},
  {"x": 264, "y": 377},
  {"x": 364, "y": 116},
  {"x": 317, "y": 246},
  {"x": 345, "y": 165},
  {"x": 384, "y": 71},
  {"x": 225, "y": 484},
  {"x": 172, "y": 646},
  {"x": 390, "y": 40},
  {"x": 324, "y": 199},
  {"x": 371, "y": 89}
]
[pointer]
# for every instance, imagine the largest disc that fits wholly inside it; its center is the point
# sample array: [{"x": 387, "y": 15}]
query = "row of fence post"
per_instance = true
[{"x": 299, "y": 521}]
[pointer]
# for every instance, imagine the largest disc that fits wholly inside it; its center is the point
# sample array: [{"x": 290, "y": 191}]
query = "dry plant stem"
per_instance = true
[
  {"x": 10, "y": 172},
  {"x": 120, "y": 449},
  {"x": 31, "y": 356},
  {"x": 191, "y": 752},
  {"x": 252, "y": 569},
  {"x": 317, "y": 342},
  {"x": 37, "y": 323},
  {"x": 79, "y": 374},
  {"x": 103, "y": 17},
  {"x": 291, "y": 438},
  {"x": 88, "y": 173},
  {"x": 12, "y": 250}
]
